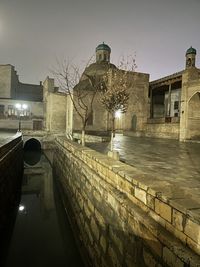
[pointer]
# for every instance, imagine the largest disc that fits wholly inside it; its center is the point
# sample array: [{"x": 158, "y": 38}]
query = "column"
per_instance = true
[{"x": 169, "y": 101}]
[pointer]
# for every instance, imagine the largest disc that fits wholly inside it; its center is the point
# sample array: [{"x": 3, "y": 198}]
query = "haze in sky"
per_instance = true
[{"x": 34, "y": 34}]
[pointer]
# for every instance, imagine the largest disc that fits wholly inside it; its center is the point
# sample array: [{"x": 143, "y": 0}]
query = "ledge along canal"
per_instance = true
[{"x": 42, "y": 235}]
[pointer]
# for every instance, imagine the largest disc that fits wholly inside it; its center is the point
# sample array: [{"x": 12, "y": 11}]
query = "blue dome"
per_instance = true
[
  {"x": 191, "y": 50},
  {"x": 103, "y": 47}
]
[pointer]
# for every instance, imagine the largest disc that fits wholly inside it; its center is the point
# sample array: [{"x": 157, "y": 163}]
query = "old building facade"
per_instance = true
[
  {"x": 100, "y": 120},
  {"x": 175, "y": 103},
  {"x": 168, "y": 107},
  {"x": 21, "y": 105}
]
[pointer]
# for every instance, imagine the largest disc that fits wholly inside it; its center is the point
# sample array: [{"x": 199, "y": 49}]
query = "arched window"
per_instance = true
[{"x": 189, "y": 62}]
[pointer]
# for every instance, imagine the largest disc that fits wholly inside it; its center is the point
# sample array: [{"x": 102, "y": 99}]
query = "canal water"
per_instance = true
[{"x": 42, "y": 235}]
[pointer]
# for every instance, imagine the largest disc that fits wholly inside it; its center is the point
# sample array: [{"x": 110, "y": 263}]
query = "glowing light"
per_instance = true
[
  {"x": 18, "y": 106},
  {"x": 118, "y": 114},
  {"x": 21, "y": 208},
  {"x": 21, "y": 106},
  {"x": 24, "y": 106}
]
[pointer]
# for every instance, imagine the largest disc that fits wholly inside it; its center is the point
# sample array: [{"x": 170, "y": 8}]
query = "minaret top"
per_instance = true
[
  {"x": 191, "y": 50},
  {"x": 103, "y": 53}
]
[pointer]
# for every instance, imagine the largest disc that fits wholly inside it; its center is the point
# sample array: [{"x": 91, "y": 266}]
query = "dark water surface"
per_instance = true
[{"x": 42, "y": 236}]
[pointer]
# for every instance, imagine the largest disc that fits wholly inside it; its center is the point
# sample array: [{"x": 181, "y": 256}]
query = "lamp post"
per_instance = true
[{"x": 20, "y": 111}]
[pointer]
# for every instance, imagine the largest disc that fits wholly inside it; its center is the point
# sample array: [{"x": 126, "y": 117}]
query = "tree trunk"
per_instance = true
[
  {"x": 112, "y": 133},
  {"x": 83, "y": 137}
]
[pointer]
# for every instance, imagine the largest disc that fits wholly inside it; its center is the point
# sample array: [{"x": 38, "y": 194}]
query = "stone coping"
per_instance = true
[
  {"x": 7, "y": 143},
  {"x": 172, "y": 208},
  {"x": 92, "y": 138}
]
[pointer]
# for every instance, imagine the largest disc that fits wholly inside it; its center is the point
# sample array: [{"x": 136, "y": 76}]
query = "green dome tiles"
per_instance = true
[{"x": 191, "y": 50}]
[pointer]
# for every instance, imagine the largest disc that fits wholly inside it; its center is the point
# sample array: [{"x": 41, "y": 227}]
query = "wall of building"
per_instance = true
[
  {"x": 10, "y": 87},
  {"x": 163, "y": 130},
  {"x": 30, "y": 92},
  {"x": 11, "y": 170},
  {"x": 119, "y": 218},
  {"x": 69, "y": 115},
  {"x": 14, "y": 82},
  {"x": 55, "y": 107},
  {"x": 56, "y": 112},
  {"x": 5, "y": 81},
  {"x": 100, "y": 116},
  {"x": 138, "y": 102},
  {"x": 138, "y": 84},
  {"x": 189, "y": 121},
  {"x": 9, "y": 119}
]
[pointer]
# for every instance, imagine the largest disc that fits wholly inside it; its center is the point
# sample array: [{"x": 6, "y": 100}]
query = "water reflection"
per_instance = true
[{"x": 39, "y": 238}]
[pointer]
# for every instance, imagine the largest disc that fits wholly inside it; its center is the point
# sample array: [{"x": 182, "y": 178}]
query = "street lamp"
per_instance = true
[
  {"x": 118, "y": 114},
  {"x": 20, "y": 111}
]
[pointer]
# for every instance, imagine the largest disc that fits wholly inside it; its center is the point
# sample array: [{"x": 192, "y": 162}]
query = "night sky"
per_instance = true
[{"x": 36, "y": 33}]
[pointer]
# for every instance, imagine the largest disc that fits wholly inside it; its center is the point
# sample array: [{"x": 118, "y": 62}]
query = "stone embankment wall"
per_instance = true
[
  {"x": 11, "y": 170},
  {"x": 120, "y": 220}
]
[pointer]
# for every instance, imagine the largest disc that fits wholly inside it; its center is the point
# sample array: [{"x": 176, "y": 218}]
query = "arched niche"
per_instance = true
[{"x": 193, "y": 119}]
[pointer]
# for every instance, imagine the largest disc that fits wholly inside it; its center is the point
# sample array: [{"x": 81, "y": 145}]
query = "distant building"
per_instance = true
[
  {"x": 55, "y": 105},
  {"x": 99, "y": 122},
  {"x": 19, "y": 101},
  {"x": 168, "y": 107},
  {"x": 175, "y": 103}
]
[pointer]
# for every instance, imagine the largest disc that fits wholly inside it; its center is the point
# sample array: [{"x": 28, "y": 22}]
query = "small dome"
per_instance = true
[
  {"x": 103, "y": 47},
  {"x": 191, "y": 50}
]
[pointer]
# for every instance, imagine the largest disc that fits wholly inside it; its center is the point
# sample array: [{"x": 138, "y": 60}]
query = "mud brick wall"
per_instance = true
[{"x": 120, "y": 220}]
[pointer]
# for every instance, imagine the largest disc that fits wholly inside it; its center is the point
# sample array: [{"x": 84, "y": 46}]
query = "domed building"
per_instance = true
[
  {"x": 99, "y": 122},
  {"x": 166, "y": 108},
  {"x": 103, "y": 53},
  {"x": 190, "y": 57}
]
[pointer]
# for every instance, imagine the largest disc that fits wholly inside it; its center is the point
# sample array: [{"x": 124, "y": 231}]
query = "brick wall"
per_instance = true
[{"x": 119, "y": 219}]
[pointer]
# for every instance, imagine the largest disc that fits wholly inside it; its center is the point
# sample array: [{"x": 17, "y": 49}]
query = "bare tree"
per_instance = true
[
  {"x": 82, "y": 96},
  {"x": 114, "y": 93}
]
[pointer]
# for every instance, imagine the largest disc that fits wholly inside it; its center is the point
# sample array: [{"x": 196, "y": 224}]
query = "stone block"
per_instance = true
[
  {"x": 164, "y": 210},
  {"x": 116, "y": 240},
  {"x": 103, "y": 243},
  {"x": 125, "y": 186},
  {"x": 112, "y": 201},
  {"x": 193, "y": 245},
  {"x": 113, "y": 257},
  {"x": 177, "y": 219},
  {"x": 79, "y": 199},
  {"x": 87, "y": 229},
  {"x": 100, "y": 219},
  {"x": 111, "y": 177},
  {"x": 150, "y": 201},
  {"x": 148, "y": 259},
  {"x": 180, "y": 235},
  {"x": 88, "y": 186},
  {"x": 153, "y": 243},
  {"x": 95, "y": 229},
  {"x": 87, "y": 211},
  {"x": 97, "y": 195},
  {"x": 171, "y": 259},
  {"x": 192, "y": 230},
  {"x": 141, "y": 195},
  {"x": 90, "y": 205}
]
